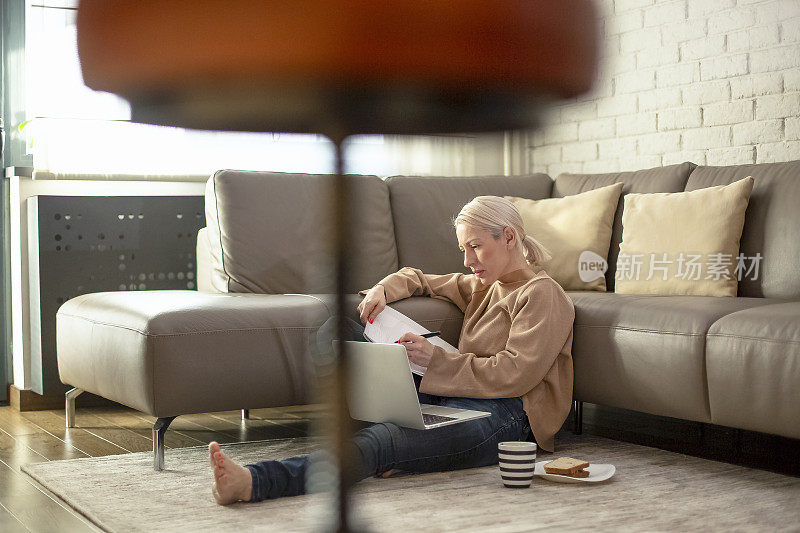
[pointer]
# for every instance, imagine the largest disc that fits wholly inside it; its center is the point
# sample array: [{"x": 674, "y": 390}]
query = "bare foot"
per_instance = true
[
  {"x": 232, "y": 482},
  {"x": 390, "y": 473}
]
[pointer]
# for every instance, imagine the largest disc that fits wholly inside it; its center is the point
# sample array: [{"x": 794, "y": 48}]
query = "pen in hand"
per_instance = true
[{"x": 429, "y": 335}]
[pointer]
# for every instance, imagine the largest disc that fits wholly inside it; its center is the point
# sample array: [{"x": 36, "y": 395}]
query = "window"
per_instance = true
[{"x": 73, "y": 130}]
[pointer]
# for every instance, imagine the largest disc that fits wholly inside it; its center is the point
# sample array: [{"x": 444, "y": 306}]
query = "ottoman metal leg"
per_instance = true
[
  {"x": 578, "y": 427},
  {"x": 159, "y": 430},
  {"x": 245, "y": 414},
  {"x": 70, "y": 405}
]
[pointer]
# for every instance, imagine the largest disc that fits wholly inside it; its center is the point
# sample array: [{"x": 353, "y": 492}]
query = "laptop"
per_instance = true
[{"x": 382, "y": 390}]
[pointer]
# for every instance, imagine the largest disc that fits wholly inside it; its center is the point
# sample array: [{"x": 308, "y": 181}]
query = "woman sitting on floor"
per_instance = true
[{"x": 514, "y": 361}]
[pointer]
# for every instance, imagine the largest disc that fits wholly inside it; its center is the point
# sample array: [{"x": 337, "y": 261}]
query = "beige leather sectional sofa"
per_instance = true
[{"x": 246, "y": 338}]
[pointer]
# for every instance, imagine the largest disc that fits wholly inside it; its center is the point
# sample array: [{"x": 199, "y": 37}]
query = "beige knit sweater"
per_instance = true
[{"x": 516, "y": 340}]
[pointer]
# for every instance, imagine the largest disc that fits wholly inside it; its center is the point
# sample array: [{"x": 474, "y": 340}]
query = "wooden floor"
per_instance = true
[
  {"x": 41, "y": 436},
  {"x": 36, "y": 436}
]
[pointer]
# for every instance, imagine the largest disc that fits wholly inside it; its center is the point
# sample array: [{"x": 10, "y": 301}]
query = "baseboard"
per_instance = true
[
  {"x": 710, "y": 441},
  {"x": 27, "y": 400}
]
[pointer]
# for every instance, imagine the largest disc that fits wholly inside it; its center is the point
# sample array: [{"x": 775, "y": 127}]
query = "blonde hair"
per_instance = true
[{"x": 493, "y": 213}]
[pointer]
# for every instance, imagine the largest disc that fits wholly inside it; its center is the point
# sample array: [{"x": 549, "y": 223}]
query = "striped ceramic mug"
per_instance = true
[{"x": 517, "y": 460}]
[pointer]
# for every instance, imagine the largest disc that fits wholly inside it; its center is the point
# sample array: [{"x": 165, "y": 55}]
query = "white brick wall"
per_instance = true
[{"x": 715, "y": 82}]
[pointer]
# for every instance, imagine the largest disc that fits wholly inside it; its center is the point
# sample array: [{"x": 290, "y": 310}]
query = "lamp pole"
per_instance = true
[{"x": 342, "y": 427}]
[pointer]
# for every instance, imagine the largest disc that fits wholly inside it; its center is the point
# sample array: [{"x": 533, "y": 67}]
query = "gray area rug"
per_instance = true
[{"x": 652, "y": 490}]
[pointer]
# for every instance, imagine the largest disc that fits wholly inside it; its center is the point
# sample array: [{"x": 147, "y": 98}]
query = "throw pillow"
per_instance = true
[
  {"x": 682, "y": 242},
  {"x": 576, "y": 230}
]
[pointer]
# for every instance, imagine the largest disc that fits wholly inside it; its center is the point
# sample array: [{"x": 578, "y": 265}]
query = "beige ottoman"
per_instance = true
[{"x": 168, "y": 353}]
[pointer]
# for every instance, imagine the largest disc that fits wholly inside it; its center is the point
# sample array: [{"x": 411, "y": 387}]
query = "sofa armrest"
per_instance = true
[{"x": 204, "y": 263}]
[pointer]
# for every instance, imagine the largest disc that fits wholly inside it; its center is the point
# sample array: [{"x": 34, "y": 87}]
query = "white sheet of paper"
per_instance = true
[{"x": 391, "y": 324}]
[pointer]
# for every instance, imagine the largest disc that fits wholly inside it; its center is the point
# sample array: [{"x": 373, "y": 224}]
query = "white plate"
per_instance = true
[{"x": 597, "y": 472}]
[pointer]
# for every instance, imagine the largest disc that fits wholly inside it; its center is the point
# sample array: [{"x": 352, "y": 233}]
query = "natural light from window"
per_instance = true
[{"x": 73, "y": 130}]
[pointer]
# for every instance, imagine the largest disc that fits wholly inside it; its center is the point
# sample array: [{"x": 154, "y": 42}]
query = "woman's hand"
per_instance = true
[
  {"x": 419, "y": 349},
  {"x": 372, "y": 304}
]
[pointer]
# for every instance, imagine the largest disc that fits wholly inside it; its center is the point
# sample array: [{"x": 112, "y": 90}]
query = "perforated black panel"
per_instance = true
[{"x": 91, "y": 244}]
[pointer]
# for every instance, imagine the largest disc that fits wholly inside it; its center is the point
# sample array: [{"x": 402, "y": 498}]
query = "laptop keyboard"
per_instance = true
[{"x": 435, "y": 419}]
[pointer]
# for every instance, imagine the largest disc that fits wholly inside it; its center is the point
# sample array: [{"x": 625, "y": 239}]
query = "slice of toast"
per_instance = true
[
  {"x": 579, "y": 473},
  {"x": 567, "y": 466}
]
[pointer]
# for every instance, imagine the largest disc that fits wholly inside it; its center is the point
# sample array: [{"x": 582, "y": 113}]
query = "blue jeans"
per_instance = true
[{"x": 384, "y": 446}]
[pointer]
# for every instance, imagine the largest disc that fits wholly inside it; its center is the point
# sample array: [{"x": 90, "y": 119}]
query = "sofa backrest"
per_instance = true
[
  {"x": 423, "y": 208},
  {"x": 671, "y": 178},
  {"x": 771, "y": 224},
  {"x": 272, "y": 232}
]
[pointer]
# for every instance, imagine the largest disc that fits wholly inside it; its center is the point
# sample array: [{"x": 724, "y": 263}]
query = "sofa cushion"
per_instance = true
[
  {"x": 423, "y": 209},
  {"x": 569, "y": 227},
  {"x": 682, "y": 242},
  {"x": 273, "y": 233},
  {"x": 176, "y": 352},
  {"x": 662, "y": 179},
  {"x": 646, "y": 353},
  {"x": 771, "y": 224},
  {"x": 753, "y": 366}
]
